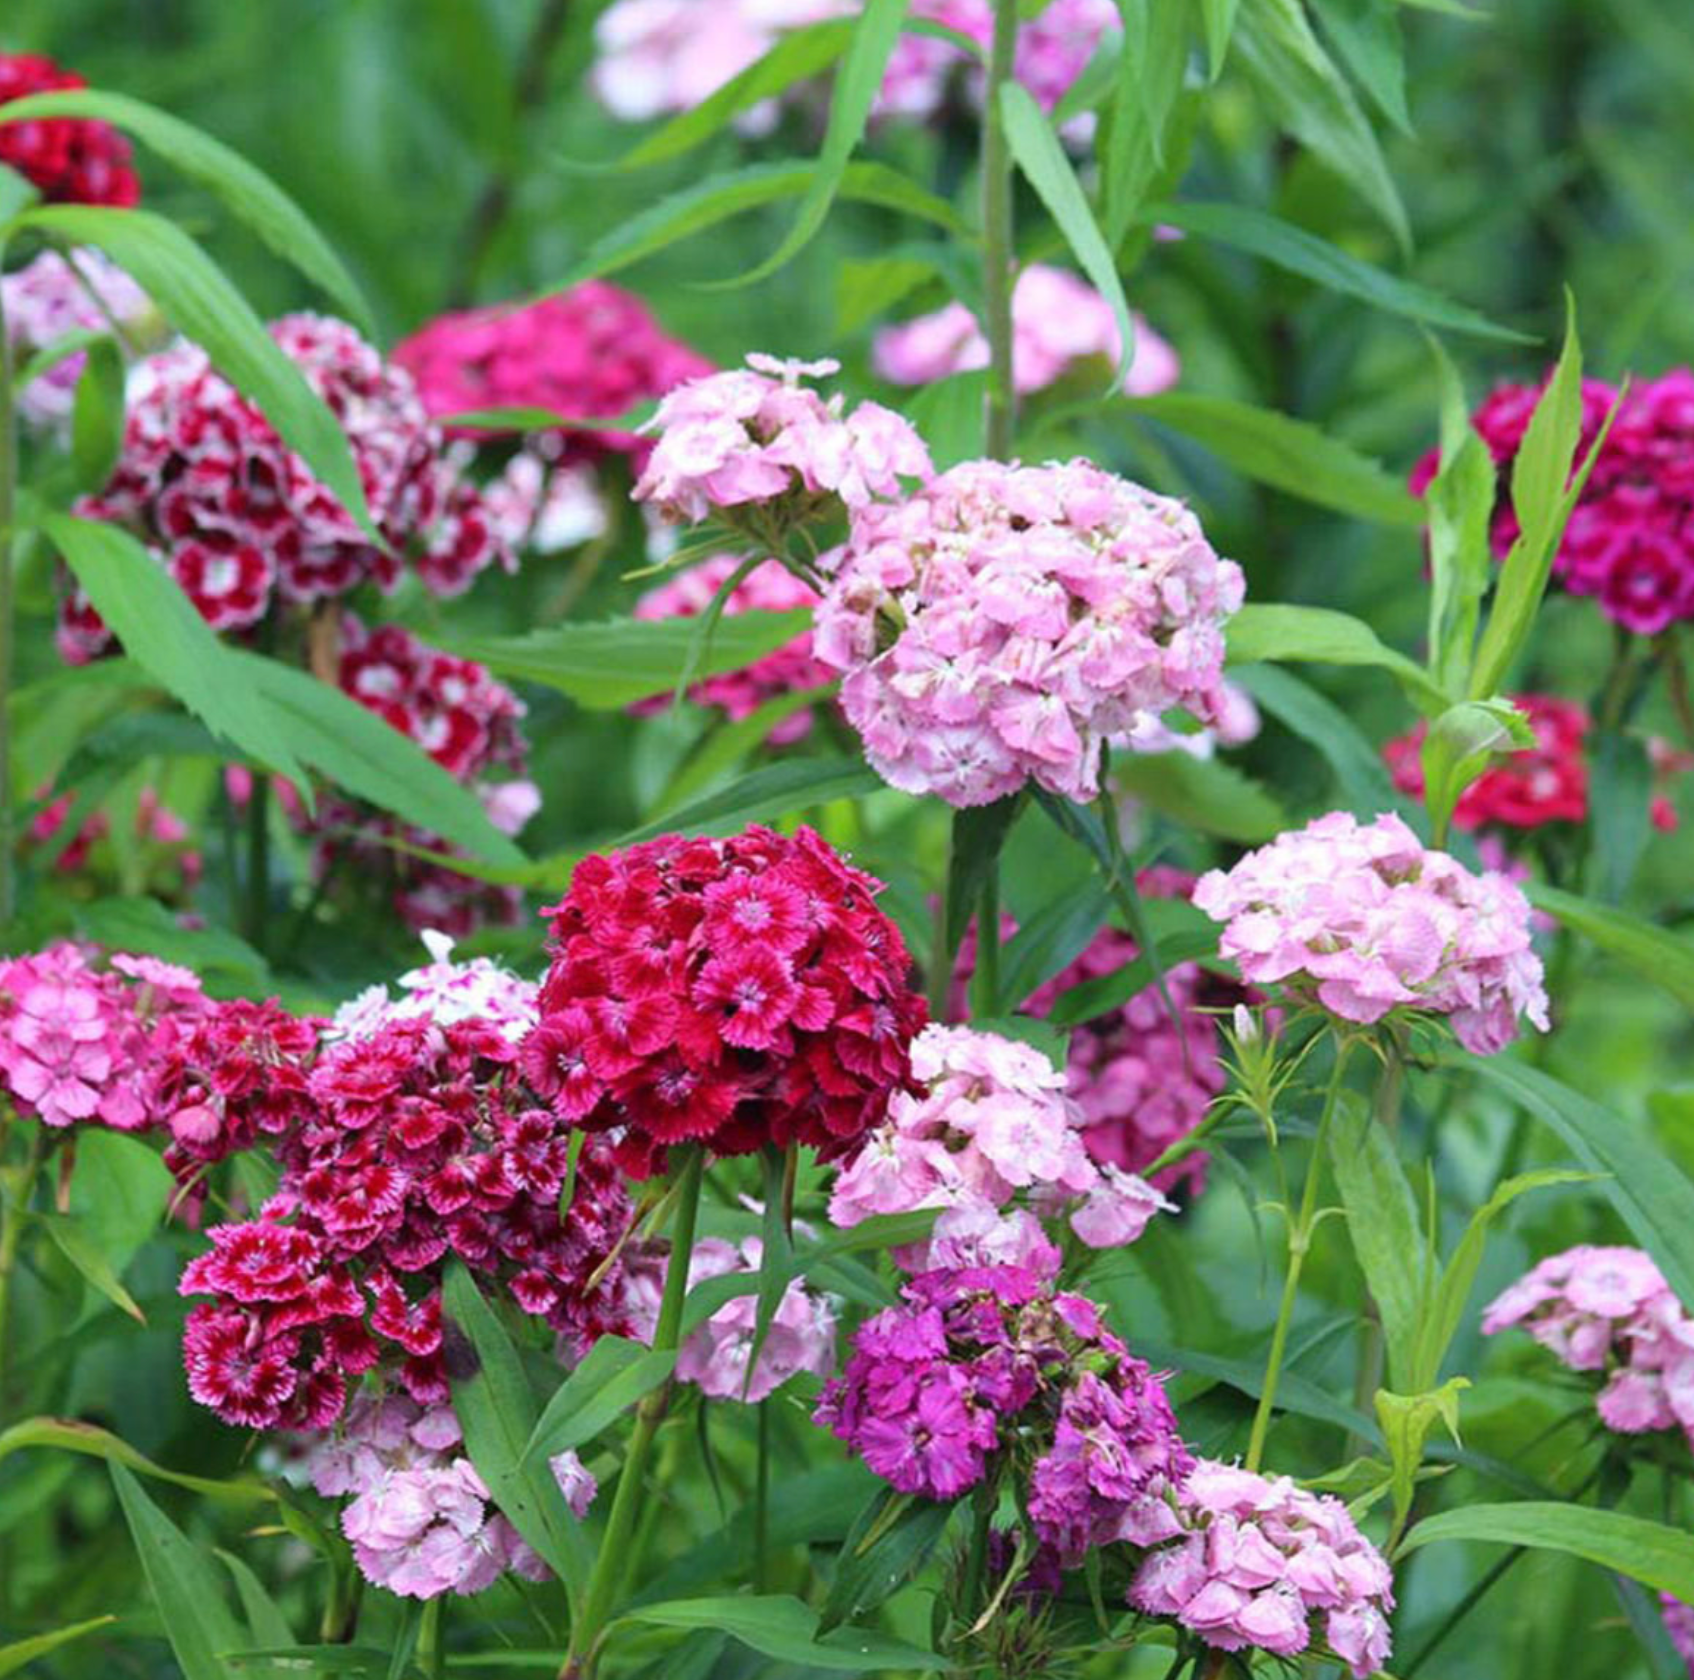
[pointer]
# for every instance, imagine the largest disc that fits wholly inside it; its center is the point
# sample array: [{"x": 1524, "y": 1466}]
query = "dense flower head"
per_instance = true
[
  {"x": 545, "y": 506},
  {"x": 48, "y": 298},
  {"x": 1251, "y": 1562},
  {"x": 1058, "y": 320},
  {"x": 1532, "y": 786},
  {"x": 419, "y": 1518},
  {"x": 443, "y": 991},
  {"x": 69, "y": 160},
  {"x": 990, "y": 1123},
  {"x": 1363, "y": 919},
  {"x": 789, "y": 669},
  {"x": 758, "y": 435},
  {"x": 993, "y": 1359},
  {"x": 1005, "y": 622},
  {"x": 1609, "y": 1311},
  {"x": 1628, "y": 542},
  {"x": 241, "y": 522},
  {"x": 589, "y": 352},
  {"x": 732, "y": 993}
]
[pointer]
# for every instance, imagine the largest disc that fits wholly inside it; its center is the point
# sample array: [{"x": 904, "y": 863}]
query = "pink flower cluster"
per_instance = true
[
  {"x": 48, "y": 298},
  {"x": 445, "y": 992},
  {"x": 1057, "y": 321},
  {"x": 987, "y": 1360},
  {"x": 788, "y": 670},
  {"x": 171, "y": 862},
  {"x": 69, "y": 160},
  {"x": 1535, "y": 785},
  {"x": 716, "y": 1357},
  {"x": 992, "y": 1122},
  {"x": 756, "y": 434},
  {"x": 1628, "y": 542},
  {"x": 592, "y": 352},
  {"x": 730, "y": 992},
  {"x": 1003, "y": 623},
  {"x": 1255, "y": 1562},
  {"x": 238, "y": 518},
  {"x": 544, "y": 506},
  {"x": 1364, "y": 920},
  {"x": 1610, "y": 1311},
  {"x": 420, "y": 1520}
]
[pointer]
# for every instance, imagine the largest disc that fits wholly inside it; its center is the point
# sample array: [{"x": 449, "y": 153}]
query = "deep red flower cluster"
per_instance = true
[
  {"x": 1630, "y": 539},
  {"x": 729, "y": 992},
  {"x": 420, "y": 1141},
  {"x": 1546, "y": 783},
  {"x": 71, "y": 160},
  {"x": 240, "y": 520},
  {"x": 592, "y": 351}
]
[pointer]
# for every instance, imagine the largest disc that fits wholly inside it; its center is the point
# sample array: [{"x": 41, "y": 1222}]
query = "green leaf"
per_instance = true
[
  {"x": 796, "y": 56},
  {"x": 1050, "y": 940},
  {"x": 1201, "y": 793},
  {"x": 949, "y": 414},
  {"x": 196, "y": 298},
  {"x": 774, "y": 790},
  {"x": 1108, "y": 992},
  {"x": 265, "y": 1622},
  {"x": 76, "y": 1244},
  {"x": 882, "y": 1551},
  {"x": 17, "y": 192},
  {"x": 1297, "y": 251},
  {"x": 1366, "y": 35},
  {"x": 245, "y": 190},
  {"x": 1052, "y": 1040},
  {"x": 71, "y": 1436},
  {"x": 979, "y": 836},
  {"x": 612, "y": 1378},
  {"x": 497, "y": 1412},
  {"x": 1289, "y": 455},
  {"x": 22, "y": 1652},
  {"x": 1620, "y": 806},
  {"x": 144, "y": 924},
  {"x": 1382, "y": 1221},
  {"x": 1462, "y": 742},
  {"x": 368, "y": 757},
  {"x": 730, "y": 743},
  {"x": 1653, "y": 952},
  {"x": 146, "y": 610},
  {"x": 1219, "y": 19},
  {"x": 1040, "y": 154},
  {"x": 1653, "y": 1197},
  {"x": 120, "y": 1189},
  {"x": 1406, "y": 1421},
  {"x": 1649, "y": 1552},
  {"x": 782, "y": 1627},
  {"x": 857, "y": 84},
  {"x": 1294, "y": 1393},
  {"x": 97, "y": 414},
  {"x": 184, "y": 1584},
  {"x": 1151, "y": 65},
  {"x": 1275, "y": 630},
  {"x": 605, "y": 667}
]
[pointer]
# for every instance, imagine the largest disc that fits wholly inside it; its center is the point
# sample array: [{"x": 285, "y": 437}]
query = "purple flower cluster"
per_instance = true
[
  {"x": 1366, "y": 920},
  {"x": 1250, "y": 1561},
  {"x": 1679, "y": 1624},
  {"x": 1003, "y": 623},
  {"x": 1610, "y": 1311},
  {"x": 986, "y": 1361}
]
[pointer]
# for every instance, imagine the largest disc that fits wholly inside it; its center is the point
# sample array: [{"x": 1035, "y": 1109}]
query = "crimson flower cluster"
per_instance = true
[
  {"x": 729, "y": 992},
  {"x": 421, "y": 1142},
  {"x": 594, "y": 350},
  {"x": 992, "y": 1360},
  {"x": 238, "y": 518},
  {"x": 69, "y": 160}
]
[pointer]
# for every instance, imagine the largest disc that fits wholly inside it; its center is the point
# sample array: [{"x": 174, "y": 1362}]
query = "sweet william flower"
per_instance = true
[{"x": 69, "y": 160}]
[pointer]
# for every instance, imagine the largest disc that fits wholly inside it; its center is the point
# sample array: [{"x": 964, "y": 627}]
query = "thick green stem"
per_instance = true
[
  {"x": 8, "y": 519},
  {"x": 942, "y": 954},
  {"x": 987, "y": 1496},
  {"x": 432, "y": 1652},
  {"x": 1389, "y": 1091},
  {"x": 256, "y": 917},
  {"x": 15, "y": 1186},
  {"x": 761, "y": 1504},
  {"x": 1299, "y": 1241},
  {"x": 997, "y": 236},
  {"x": 620, "y": 1525},
  {"x": 985, "y": 982}
]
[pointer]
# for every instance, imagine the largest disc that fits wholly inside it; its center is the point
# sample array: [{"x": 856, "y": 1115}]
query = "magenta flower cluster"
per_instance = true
[
  {"x": 419, "y": 1518},
  {"x": 1058, "y": 320},
  {"x": 1004, "y": 623},
  {"x": 990, "y": 1361},
  {"x": 757, "y": 434},
  {"x": 991, "y": 1124},
  {"x": 1679, "y": 1624},
  {"x": 1609, "y": 1311},
  {"x": 1363, "y": 919},
  {"x": 1255, "y": 1562}
]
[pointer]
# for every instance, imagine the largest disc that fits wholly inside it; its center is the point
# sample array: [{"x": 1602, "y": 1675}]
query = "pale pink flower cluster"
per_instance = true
[
  {"x": 1610, "y": 1311},
  {"x": 46, "y": 299},
  {"x": 1004, "y": 622},
  {"x": 1250, "y": 1561},
  {"x": 756, "y": 434},
  {"x": 716, "y": 1357},
  {"x": 420, "y": 1519},
  {"x": 544, "y": 506},
  {"x": 1366, "y": 920},
  {"x": 443, "y": 991},
  {"x": 1058, "y": 319},
  {"x": 992, "y": 1124}
]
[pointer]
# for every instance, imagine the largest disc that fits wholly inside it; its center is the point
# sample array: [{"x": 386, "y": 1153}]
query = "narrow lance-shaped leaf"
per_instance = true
[
  {"x": 69, "y": 1435},
  {"x": 1661, "y": 956},
  {"x": 1276, "y": 630},
  {"x": 23, "y": 1652}
]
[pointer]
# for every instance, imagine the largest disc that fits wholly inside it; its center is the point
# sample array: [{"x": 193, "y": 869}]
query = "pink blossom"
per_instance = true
[{"x": 1679, "y": 1624}]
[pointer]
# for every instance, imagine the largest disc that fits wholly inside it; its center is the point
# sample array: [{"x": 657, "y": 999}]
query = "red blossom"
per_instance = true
[{"x": 70, "y": 160}]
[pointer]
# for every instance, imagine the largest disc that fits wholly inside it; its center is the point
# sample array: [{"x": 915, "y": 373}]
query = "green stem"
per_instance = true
[
  {"x": 942, "y": 954},
  {"x": 8, "y": 518},
  {"x": 997, "y": 253},
  {"x": 258, "y": 909},
  {"x": 761, "y": 1505},
  {"x": 589, "y": 1627},
  {"x": 1299, "y": 1241},
  {"x": 987, "y": 1496},
  {"x": 432, "y": 1653},
  {"x": 1389, "y": 1091},
  {"x": 985, "y": 982},
  {"x": 15, "y": 1187}
]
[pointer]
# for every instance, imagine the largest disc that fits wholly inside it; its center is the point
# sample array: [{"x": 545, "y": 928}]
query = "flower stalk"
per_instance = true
[
  {"x": 8, "y": 522},
  {"x": 997, "y": 249}
]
